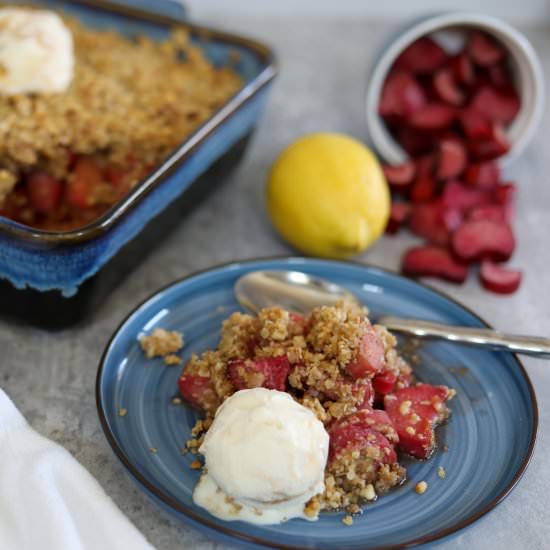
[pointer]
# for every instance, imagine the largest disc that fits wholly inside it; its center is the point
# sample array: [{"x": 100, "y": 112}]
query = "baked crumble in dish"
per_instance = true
[
  {"x": 66, "y": 157},
  {"x": 347, "y": 372}
]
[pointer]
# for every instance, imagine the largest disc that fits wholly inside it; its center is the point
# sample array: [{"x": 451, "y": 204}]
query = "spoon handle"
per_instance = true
[{"x": 529, "y": 345}]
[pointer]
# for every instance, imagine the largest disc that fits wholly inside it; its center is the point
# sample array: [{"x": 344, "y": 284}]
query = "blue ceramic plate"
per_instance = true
[{"x": 484, "y": 448}]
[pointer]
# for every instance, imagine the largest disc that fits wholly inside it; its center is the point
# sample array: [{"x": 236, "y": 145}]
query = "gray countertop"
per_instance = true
[{"x": 323, "y": 74}]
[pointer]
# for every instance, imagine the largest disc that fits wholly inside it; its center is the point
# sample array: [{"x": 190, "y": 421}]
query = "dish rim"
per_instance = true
[
  {"x": 180, "y": 153},
  {"x": 236, "y": 535}
]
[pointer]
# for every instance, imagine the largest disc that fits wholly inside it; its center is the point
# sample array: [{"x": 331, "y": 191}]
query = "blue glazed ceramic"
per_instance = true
[
  {"x": 63, "y": 261},
  {"x": 484, "y": 448}
]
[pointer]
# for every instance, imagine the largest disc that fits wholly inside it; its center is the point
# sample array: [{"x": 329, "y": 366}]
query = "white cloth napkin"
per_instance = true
[{"x": 48, "y": 501}]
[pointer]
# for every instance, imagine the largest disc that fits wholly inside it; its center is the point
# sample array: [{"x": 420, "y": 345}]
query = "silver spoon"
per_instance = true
[{"x": 300, "y": 292}]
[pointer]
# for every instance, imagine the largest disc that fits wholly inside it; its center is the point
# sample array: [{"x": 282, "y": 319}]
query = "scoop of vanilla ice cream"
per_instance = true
[
  {"x": 267, "y": 453},
  {"x": 36, "y": 52}
]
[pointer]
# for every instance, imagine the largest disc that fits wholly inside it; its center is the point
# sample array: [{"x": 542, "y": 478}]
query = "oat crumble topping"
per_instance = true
[
  {"x": 421, "y": 487},
  {"x": 161, "y": 343}
]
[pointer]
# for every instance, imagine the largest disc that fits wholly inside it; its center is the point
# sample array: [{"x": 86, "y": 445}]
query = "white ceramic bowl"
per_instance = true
[{"x": 447, "y": 29}]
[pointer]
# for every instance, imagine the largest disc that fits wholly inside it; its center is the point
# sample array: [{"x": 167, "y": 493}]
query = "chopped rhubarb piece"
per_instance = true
[
  {"x": 198, "y": 391},
  {"x": 432, "y": 117},
  {"x": 433, "y": 261},
  {"x": 413, "y": 142},
  {"x": 85, "y": 177},
  {"x": 374, "y": 419},
  {"x": 475, "y": 125},
  {"x": 400, "y": 176},
  {"x": 483, "y": 239},
  {"x": 446, "y": 88},
  {"x": 452, "y": 218},
  {"x": 365, "y": 428},
  {"x": 370, "y": 356},
  {"x": 265, "y": 372},
  {"x": 456, "y": 195},
  {"x": 424, "y": 189},
  {"x": 401, "y": 95},
  {"x": 358, "y": 437},
  {"x": 496, "y": 106},
  {"x": 483, "y": 50},
  {"x": 44, "y": 192},
  {"x": 463, "y": 69},
  {"x": 483, "y": 175},
  {"x": 499, "y": 279},
  {"x": 415, "y": 412},
  {"x": 399, "y": 214},
  {"x": 505, "y": 195},
  {"x": 423, "y": 56},
  {"x": 451, "y": 160},
  {"x": 428, "y": 221},
  {"x": 491, "y": 212},
  {"x": 425, "y": 186},
  {"x": 500, "y": 77},
  {"x": 384, "y": 382}
]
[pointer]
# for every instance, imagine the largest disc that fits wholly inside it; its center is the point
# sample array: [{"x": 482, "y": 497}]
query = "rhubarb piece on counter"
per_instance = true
[
  {"x": 433, "y": 261},
  {"x": 415, "y": 412},
  {"x": 491, "y": 212},
  {"x": 483, "y": 239},
  {"x": 483, "y": 49},
  {"x": 483, "y": 175},
  {"x": 500, "y": 107},
  {"x": 501, "y": 280},
  {"x": 451, "y": 160},
  {"x": 446, "y": 87},
  {"x": 423, "y": 56},
  {"x": 452, "y": 218},
  {"x": 432, "y": 117},
  {"x": 44, "y": 192},
  {"x": 264, "y": 372},
  {"x": 400, "y": 213},
  {"x": 401, "y": 95},
  {"x": 198, "y": 391},
  {"x": 399, "y": 176},
  {"x": 458, "y": 196},
  {"x": 428, "y": 220},
  {"x": 370, "y": 356},
  {"x": 463, "y": 70},
  {"x": 505, "y": 196}
]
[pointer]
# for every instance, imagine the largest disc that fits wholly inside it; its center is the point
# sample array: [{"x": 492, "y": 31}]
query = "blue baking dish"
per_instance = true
[{"x": 54, "y": 279}]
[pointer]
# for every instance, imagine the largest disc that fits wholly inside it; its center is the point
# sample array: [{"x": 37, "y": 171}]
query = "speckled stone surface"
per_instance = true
[{"x": 323, "y": 75}]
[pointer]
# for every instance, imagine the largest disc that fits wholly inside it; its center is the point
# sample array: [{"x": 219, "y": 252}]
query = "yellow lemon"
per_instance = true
[{"x": 327, "y": 195}]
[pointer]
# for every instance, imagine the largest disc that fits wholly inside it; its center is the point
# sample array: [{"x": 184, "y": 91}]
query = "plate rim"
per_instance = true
[{"x": 236, "y": 535}]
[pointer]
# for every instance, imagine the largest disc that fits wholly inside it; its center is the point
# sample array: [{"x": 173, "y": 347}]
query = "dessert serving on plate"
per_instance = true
[{"x": 304, "y": 414}]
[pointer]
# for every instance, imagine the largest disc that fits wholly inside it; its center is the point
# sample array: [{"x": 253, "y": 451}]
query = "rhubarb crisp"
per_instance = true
[
  {"x": 344, "y": 369},
  {"x": 66, "y": 157}
]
